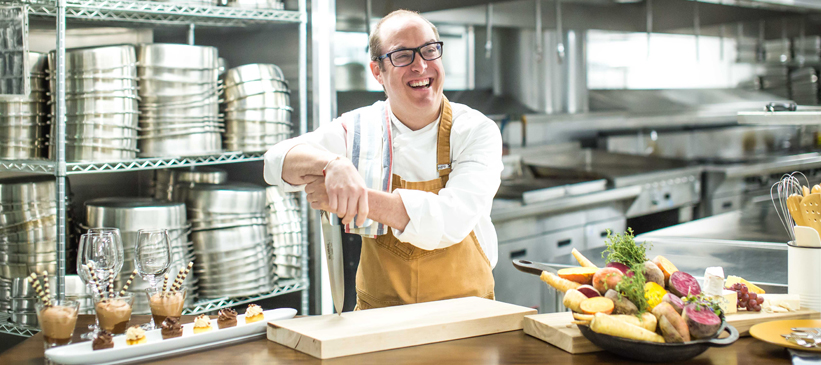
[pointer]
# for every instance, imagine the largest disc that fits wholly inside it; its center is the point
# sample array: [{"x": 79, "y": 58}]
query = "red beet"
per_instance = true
[
  {"x": 674, "y": 301},
  {"x": 589, "y": 291},
  {"x": 621, "y": 267},
  {"x": 683, "y": 284},
  {"x": 702, "y": 323}
]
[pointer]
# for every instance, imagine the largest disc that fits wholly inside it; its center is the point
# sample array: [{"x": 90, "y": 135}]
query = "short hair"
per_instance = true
[{"x": 375, "y": 42}]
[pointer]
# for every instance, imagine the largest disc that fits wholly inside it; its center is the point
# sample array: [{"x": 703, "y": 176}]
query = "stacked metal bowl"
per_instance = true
[
  {"x": 230, "y": 236},
  {"x": 285, "y": 226},
  {"x": 180, "y": 100},
  {"x": 257, "y": 107},
  {"x": 101, "y": 103},
  {"x": 804, "y": 86},
  {"x": 28, "y": 229},
  {"x": 133, "y": 214},
  {"x": 23, "y": 119},
  {"x": 165, "y": 180}
]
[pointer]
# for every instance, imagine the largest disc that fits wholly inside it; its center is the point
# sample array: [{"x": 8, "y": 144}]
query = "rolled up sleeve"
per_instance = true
[
  {"x": 438, "y": 221},
  {"x": 329, "y": 137}
]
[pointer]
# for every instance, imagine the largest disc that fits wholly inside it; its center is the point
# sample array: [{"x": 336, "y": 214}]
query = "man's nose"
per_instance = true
[{"x": 419, "y": 64}]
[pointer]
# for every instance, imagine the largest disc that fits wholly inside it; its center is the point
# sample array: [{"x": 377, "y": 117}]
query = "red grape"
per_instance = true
[
  {"x": 760, "y": 300},
  {"x": 744, "y": 289}
]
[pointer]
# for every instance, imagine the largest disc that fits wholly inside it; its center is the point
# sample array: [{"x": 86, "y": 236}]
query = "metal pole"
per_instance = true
[
  {"x": 697, "y": 29},
  {"x": 721, "y": 36},
  {"x": 191, "y": 34},
  {"x": 489, "y": 41},
  {"x": 368, "y": 12},
  {"x": 303, "y": 128},
  {"x": 559, "y": 32},
  {"x": 538, "y": 30},
  {"x": 649, "y": 20},
  {"x": 60, "y": 148}
]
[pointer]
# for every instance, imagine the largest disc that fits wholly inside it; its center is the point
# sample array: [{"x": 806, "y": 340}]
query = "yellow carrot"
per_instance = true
[
  {"x": 583, "y": 260},
  {"x": 647, "y": 321},
  {"x": 606, "y": 324},
  {"x": 560, "y": 284}
]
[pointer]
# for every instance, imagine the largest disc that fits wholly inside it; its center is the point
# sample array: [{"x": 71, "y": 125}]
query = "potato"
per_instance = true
[
  {"x": 653, "y": 273},
  {"x": 666, "y": 310},
  {"x": 669, "y": 331},
  {"x": 623, "y": 305},
  {"x": 606, "y": 278}
]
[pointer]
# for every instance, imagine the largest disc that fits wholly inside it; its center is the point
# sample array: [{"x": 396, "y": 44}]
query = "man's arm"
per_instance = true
[{"x": 385, "y": 208}]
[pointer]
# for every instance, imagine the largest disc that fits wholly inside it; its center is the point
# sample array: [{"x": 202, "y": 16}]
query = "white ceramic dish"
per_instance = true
[{"x": 81, "y": 353}]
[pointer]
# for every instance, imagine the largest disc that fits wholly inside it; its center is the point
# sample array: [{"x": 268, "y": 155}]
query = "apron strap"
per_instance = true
[{"x": 443, "y": 162}]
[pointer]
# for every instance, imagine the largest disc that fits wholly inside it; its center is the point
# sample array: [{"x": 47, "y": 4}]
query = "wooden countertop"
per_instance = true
[{"x": 504, "y": 348}]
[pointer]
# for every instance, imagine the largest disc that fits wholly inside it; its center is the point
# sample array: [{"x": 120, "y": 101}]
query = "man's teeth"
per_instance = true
[{"x": 424, "y": 82}]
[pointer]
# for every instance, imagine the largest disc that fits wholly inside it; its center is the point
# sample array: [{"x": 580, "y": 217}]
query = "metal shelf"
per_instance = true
[
  {"x": 9, "y": 328},
  {"x": 74, "y": 168},
  {"x": 283, "y": 287},
  {"x": 160, "y": 13}
]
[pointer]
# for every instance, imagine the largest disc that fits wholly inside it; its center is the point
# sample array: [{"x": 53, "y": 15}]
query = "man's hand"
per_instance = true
[
  {"x": 316, "y": 194},
  {"x": 345, "y": 192}
]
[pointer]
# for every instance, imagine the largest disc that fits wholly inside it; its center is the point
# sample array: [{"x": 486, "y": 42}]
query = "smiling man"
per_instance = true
[{"x": 414, "y": 175}]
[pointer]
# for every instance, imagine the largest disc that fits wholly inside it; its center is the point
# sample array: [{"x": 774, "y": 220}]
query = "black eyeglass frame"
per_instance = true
[{"x": 413, "y": 55}]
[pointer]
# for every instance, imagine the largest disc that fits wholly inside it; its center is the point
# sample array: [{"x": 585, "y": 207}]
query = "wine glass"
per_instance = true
[
  {"x": 117, "y": 240},
  {"x": 152, "y": 257},
  {"x": 99, "y": 251}
]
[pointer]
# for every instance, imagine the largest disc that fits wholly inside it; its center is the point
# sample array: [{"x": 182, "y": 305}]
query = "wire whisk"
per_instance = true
[{"x": 786, "y": 195}]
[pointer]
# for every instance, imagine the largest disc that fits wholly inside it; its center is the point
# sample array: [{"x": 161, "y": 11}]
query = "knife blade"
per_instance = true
[{"x": 332, "y": 233}]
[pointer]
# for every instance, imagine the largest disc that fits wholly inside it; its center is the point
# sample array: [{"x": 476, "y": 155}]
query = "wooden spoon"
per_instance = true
[
  {"x": 811, "y": 211},
  {"x": 794, "y": 206}
]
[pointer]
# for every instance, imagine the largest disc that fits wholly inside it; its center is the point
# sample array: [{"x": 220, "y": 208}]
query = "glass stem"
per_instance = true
[{"x": 152, "y": 281}]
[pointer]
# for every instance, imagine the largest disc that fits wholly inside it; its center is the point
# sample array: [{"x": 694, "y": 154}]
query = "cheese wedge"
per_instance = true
[
  {"x": 727, "y": 301},
  {"x": 736, "y": 279},
  {"x": 780, "y": 303}
]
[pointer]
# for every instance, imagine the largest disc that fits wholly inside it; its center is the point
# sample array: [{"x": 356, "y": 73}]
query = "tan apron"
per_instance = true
[{"x": 392, "y": 272}]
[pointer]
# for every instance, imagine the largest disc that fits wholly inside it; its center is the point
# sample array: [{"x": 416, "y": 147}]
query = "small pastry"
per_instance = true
[
  {"x": 135, "y": 335},
  {"x": 103, "y": 340},
  {"x": 227, "y": 318},
  {"x": 202, "y": 324},
  {"x": 253, "y": 313},
  {"x": 171, "y": 328}
]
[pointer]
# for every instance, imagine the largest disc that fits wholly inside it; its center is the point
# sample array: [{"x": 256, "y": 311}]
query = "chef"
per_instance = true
[{"x": 414, "y": 175}]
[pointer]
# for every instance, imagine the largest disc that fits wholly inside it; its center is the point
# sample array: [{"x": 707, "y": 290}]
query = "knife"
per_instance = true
[{"x": 332, "y": 233}]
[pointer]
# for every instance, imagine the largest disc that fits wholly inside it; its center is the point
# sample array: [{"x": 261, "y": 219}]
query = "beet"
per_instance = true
[
  {"x": 683, "y": 284},
  {"x": 702, "y": 323},
  {"x": 618, "y": 265},
  {"x": 589, "y": 291},
  {"x": 674, "y": 301}
]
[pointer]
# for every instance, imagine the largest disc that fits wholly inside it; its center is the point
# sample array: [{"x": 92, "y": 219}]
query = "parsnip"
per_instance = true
[
  {"x": 573, "y": 300},
  {"x": 583, "y": 317},
  {"x": 647, "y": 321},
  {"x": 606, "y": 324},
  {"x": 560, "y": 284},
  {"x": 583, "y": 260}
]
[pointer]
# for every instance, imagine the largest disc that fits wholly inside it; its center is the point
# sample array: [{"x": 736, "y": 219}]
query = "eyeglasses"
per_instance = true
[{"x": 403, "y": 57}]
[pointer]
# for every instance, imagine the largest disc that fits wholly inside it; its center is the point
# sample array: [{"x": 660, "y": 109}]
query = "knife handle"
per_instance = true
[{"x": 531, "y": 267}]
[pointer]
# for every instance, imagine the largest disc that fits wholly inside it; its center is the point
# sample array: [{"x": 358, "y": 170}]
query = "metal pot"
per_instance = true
[
  {"x": 259, "y": 101},
  {"x": 248, "y": 88},
  {"x": 254, "y": 71},
  {"x": 96, "y": 58},
  {"x": 195, "y": 144},
  {"x": 180, "y": 56},
  {"x": 132, "y": 214}
]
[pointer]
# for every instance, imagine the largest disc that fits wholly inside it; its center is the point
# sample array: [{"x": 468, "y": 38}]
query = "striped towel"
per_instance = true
[{"x": 369, "y": 149}]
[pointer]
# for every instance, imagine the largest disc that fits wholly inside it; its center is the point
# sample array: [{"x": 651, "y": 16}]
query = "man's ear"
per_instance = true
[{"x": 376, "y": 71}]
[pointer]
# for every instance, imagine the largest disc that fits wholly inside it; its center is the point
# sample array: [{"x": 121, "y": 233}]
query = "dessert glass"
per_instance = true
[
  {"x": 165, "y": 304},
  {"x": 57, "y": 321},
  {"x": 113, "y": 314}
]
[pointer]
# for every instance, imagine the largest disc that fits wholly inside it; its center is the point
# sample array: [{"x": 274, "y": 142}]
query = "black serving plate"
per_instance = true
[{"x": 659, "y": 352}]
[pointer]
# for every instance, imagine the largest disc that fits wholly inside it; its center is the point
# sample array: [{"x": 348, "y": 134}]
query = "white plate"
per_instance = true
[{"x": 81, "y": 353}]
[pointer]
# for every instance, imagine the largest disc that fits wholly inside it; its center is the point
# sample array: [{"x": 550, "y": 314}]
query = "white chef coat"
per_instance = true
[{"x": 436, "y": 221}]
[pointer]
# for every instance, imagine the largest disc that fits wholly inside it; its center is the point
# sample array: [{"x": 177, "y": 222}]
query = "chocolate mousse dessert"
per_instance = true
[
  {"x": 166, "y": 304},
  {"x": 57, "y": 323},
  {"x": 113, "y": 314},
  {"x": 171, "y": 328},
  {"x": 103, "y": 340},
  {"x": 227, "y": 318}
]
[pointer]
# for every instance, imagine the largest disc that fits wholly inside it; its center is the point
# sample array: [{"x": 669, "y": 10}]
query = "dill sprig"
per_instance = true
[
  {"x": 623, "y": 248},
  {"x": 632, "y": 287}
]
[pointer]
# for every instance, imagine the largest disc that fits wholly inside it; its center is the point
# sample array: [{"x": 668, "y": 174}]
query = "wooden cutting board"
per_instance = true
[
  {"x": 380, "y": 329},
  {"x": 556, "y": 329}
]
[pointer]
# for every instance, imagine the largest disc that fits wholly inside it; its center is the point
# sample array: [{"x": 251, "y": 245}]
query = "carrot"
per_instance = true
[
  {"x": 560, "y": 284},
  {"x": 582, "y": 260},
  {"x": 647, "y": 320},
  {"x": 667, "y": 267},
  {"x": 581, "y": 275},
  {"x": 583, "y": 317},
  {"x": 573, "y": 299},
  {"x": 606, "y": 324},
  {"x": 597, "y": 305}
]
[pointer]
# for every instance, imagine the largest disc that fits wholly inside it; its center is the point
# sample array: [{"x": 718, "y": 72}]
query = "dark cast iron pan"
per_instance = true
[{"x": 641, "y": 350}]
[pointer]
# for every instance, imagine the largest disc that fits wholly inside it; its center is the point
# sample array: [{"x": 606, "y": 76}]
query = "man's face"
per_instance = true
[{"x": 418, "y": 86}]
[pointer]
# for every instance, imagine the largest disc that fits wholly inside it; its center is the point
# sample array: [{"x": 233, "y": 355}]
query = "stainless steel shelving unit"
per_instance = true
[{"x": 157, "y": 14}]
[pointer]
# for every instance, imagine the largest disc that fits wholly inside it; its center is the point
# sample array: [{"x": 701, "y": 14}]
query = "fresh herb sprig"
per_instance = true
[
  {"x": 632, "y": 287},
  {"x": 623, "y": 248},
  {"x": 702, "y": 301}
]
